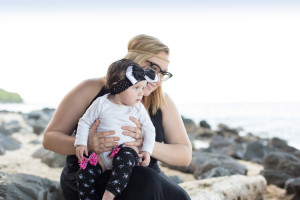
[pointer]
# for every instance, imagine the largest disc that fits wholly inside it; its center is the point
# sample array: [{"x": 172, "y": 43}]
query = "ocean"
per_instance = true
[{"x": 265, "y": 120}]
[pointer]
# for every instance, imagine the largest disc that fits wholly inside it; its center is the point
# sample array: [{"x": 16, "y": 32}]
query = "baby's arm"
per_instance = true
[
  {"x": 85, "y": 123},
  {"x": 148, "y": 131}
]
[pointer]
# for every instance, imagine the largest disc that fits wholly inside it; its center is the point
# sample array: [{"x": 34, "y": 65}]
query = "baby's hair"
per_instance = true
[{"x": 117, "y": 71}]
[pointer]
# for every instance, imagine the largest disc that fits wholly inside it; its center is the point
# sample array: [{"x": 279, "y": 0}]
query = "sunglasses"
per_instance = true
[{"x": 164, "y": 75}]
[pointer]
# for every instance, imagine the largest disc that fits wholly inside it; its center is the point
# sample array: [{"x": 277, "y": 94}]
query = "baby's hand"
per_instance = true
[
  {"x": 146, "y": 158},
  {"x": 80, "y": 150}
]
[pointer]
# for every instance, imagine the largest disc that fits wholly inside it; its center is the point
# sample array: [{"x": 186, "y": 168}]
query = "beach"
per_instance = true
[{"x": 22, "y": 161}]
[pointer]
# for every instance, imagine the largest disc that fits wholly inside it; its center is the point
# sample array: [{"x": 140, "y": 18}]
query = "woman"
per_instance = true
[{"x": 172, "y": 145}]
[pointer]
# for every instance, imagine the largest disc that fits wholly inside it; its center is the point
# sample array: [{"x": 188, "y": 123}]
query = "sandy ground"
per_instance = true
[{"x": 20, "y": 161}]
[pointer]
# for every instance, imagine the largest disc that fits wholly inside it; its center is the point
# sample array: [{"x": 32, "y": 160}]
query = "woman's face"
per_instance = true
[{"x": 150, "y": 87}]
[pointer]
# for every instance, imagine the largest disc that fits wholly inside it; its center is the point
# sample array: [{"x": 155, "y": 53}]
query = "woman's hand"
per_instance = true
[
  {"x": 135, "y": 132},
  {"x": 98, "y": 143}
]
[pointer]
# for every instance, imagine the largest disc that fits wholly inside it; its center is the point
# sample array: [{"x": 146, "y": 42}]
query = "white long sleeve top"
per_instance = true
[{"x": 112, "y": 117}]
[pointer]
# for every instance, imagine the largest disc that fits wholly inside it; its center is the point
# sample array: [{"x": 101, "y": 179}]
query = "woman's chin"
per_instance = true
[{"x": 147, "y": 92}]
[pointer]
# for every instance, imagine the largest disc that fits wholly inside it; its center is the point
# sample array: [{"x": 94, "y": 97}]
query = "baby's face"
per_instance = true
[{"x": 133, "y": 94}]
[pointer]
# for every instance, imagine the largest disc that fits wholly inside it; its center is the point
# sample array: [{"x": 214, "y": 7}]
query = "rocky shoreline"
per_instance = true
[{"x": 225, "y": 165}]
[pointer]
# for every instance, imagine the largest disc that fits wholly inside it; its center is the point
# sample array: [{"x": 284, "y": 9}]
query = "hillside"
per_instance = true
[{"x": 10, "y": 97}]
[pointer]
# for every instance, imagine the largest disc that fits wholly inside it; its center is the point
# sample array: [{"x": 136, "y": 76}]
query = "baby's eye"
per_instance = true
[{"x": 136, "y": 88}]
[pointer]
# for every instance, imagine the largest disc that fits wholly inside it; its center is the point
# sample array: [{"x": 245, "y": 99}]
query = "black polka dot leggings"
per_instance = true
[{"x": 123, "y": 163}]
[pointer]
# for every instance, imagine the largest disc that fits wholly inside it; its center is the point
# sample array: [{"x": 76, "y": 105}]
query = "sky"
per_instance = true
[{"x": 220, "y": 51}]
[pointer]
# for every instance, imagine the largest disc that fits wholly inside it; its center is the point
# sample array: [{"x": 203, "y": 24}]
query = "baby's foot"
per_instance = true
[{"x": 108, "y": 195}]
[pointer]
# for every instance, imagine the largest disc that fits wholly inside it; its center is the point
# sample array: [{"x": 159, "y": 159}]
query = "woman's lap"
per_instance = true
[{"x": 145, "y": 183}]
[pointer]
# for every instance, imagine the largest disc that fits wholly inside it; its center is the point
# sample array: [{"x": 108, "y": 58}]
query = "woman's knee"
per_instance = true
[{"x": 145, "y": 176}]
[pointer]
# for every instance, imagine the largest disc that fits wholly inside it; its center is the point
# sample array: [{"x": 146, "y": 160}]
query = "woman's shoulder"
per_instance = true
[
  {"x": 93, "y": 84},
  {"x": 90, "y": 86},
  {"x": 85, "y": 91}
]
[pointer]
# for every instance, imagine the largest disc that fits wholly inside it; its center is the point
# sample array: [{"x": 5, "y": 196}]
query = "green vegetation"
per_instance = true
[{"x": 9, "y": 97}]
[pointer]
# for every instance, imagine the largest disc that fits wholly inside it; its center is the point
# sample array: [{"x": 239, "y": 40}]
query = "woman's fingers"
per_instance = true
[
  {"x": 103, "y": 144},
  {"x": 137, "y": 122},
  {"x": 104, "y": 147},
  {"x": 98, "y": 142},
  {"x": 137, "y": 143},
  {"x": 132, "y": 132},
  {"x": 103, "y": 134},
  {"x": 93, "y": 128}
]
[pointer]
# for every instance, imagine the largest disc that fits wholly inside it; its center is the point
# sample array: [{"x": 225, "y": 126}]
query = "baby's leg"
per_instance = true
[
  {"x": 101, "y": 163},
  {"x": 86, "y": 181},
  {"x": 123, "y": 164}
]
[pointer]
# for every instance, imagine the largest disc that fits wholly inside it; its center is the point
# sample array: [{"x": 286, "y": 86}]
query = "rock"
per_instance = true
[
  {"x": 219, "y": 141},
  {"x": 282, "y": 146},
  {"x": 255, "y": 151},
  {"x": 189, "y": 125},
  {"x": 51, "y": 158},
  {"x": 279, "y": 167},
  {"x": 275, "y": 177},
  {"x": 2, "y": 150},
  {"x": 226, "y": 146},
  {"x": 204, "y": 124},
  {"x": 176, "y": 179},
  {"x": 190, "y": 169},
  {"x": 39, "y": 119},
  {"x": 215, "y": 172},
  {"x": 10, "y": 127},
  {"x": 35, "y": 141},
  {"x": 8, "y": 143},
  {"x": 205, "y": 133},
  {"x": 282, "y": 162},
  {"x": 11, "y": 122},
  {"x": 28, "y": 187},
  {"x": 292, "y": 186},
  {"x": 202, "y": 162},
  {"x": 229, "y": 188},
  {"x": 226, "y": 131},
  {"x": 248, "y": 138}
]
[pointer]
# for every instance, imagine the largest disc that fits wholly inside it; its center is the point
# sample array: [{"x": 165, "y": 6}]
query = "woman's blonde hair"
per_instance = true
[{"x": 140, "y": 49}]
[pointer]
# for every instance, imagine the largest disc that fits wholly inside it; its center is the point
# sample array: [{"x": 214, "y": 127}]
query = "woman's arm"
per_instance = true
[
  {"x": 177, "y": 149},
  {"x": 57, "y": 135}
]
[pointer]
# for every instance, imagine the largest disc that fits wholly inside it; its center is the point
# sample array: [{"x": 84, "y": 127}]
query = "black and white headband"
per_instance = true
[{"x": 134, "y": 74}]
